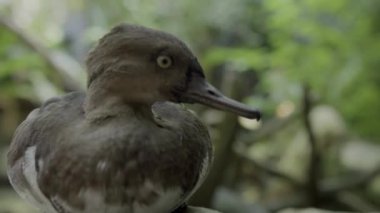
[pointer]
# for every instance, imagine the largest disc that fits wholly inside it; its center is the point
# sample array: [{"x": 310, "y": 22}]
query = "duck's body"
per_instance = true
[
  {"x": 127, "y": 162},
  {"x": 123, "y": 146}
]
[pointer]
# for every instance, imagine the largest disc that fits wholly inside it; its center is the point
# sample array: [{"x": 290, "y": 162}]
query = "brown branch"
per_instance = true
[
  {"x": 270, "y": 128},
  {"x": 268, "y": 169},
  {"x": 330, "y": 190},
  {"x": 193, "y": 209},
  {"x": 69, "y": 83},
  {"x": 336, "y": 185},
  {"x": 291, "y": 201},
  {"x": 355, "y": 202},
  {"x": 314, "y": 166}
]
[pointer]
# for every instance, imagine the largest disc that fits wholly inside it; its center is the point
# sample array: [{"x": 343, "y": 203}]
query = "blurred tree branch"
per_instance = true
[
  {"x": 336, "y": 185},
  {"x": 69, "y": 84},
  {"x": 355, "y": 202},
  {"x": 267, "y": 169},
  {"x": 270, "y": 127},
  {"x": 317, "y": 190},
  {"x": 333, "y": 190},
  {"x": 314, "y": 163}
]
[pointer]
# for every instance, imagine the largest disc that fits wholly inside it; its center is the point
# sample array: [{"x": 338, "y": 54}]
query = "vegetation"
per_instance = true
[{"x": 310, "y": 65}]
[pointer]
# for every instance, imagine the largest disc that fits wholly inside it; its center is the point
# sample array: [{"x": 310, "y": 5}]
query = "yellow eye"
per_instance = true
[{"x": 164, "y": 61}]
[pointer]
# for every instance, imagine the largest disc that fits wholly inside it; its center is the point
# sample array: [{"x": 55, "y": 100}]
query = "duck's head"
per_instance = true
[{"x": 142, "y": 66}]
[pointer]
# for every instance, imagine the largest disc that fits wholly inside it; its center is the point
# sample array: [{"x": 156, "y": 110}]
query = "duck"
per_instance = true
[{"x": 127, "y": 144}]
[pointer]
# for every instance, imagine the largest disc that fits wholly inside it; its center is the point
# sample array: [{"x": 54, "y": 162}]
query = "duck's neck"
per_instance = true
[{"x": 100, "y": 104}]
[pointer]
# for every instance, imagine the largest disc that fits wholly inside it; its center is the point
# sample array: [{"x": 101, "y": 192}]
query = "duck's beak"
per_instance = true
[{"x": 200, "y": 91}]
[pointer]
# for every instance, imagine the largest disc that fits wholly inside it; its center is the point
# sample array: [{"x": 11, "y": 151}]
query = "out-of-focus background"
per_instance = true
[{"x": 311, "y": 66}]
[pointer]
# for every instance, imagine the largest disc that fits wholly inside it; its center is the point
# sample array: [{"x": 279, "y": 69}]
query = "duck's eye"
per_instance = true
[{"x": 164, "y": 61}]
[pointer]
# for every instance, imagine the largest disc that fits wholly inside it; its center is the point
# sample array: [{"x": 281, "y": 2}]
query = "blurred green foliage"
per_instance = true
[{"x": 333, "y": 46}]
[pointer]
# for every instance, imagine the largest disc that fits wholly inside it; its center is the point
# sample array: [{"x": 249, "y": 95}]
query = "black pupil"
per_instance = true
[{"x": 164, "y": 61}]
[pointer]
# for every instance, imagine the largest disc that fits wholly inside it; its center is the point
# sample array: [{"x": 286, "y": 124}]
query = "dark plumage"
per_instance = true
[{"x": 123, "y": 146}]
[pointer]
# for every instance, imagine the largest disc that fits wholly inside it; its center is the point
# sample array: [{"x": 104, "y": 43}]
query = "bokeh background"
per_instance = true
[{"x": 311, "y": 66}]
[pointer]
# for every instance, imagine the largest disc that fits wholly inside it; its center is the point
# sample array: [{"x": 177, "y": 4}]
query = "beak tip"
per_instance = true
[
  {"x": 256, "y": 114},
  {"x": 258, "y": 118}
]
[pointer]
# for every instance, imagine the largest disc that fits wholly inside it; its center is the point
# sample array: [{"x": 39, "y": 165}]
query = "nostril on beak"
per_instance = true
[{"x": 210, "y": 92}]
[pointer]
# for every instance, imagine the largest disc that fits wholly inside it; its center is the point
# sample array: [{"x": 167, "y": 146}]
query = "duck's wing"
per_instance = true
[
  {"x": 205, "y": 154},
  {"x": 194, "y": 138},
  {"x": 22, "y": 166},
  {"x": 21, "y": 169}
]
